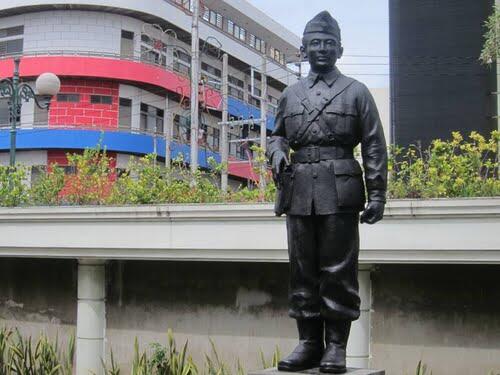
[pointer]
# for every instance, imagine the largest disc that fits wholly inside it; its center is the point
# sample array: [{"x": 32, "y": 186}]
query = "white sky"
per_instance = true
[{"x": 364, "y": 26}]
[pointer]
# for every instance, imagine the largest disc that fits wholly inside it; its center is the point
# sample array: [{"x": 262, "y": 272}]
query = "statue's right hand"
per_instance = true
[{"x": 279, "y": 162}]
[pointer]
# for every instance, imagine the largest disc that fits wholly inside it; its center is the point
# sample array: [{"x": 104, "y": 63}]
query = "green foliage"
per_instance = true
[
  {"x": 113, "y": 368},
  {"x": 421, "y": 369},
  {"x": 454, "y": 168},
  {"x": 13, "y": 190},
  {"x": 93, "y": 180},
  {"x": 147, "y": 182},
  {"x": 140, "y": 363},
  {"x": 46, "y": 190},
  {"x": 214, "y": 365},
  {"x": 22, "y": 356},
  {"x": 491, "y": 47},
  {"x": 273, "y": 362}
]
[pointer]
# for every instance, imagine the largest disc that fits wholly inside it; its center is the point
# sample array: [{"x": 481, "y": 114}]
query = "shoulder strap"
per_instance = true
[{"x": 338, "y": 87}]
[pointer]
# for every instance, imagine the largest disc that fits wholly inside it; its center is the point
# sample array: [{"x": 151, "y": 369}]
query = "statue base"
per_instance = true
[{"x": 315, "y": 371}]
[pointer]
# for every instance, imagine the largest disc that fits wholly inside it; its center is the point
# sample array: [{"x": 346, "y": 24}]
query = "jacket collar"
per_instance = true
[{"x": 329, "y": 78}]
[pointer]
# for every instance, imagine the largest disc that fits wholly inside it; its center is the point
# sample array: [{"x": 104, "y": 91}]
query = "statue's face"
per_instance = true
[{"x": 322, "y": 51}]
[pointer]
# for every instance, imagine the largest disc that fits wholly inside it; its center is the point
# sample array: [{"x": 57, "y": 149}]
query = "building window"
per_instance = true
[
  {"x": 40, "y": 116},
  {"x": 182, "y": 62},
  {"x": 213, "y": 138},
  {"x": 277, "y": 55},
  {"x": 256, "y": 90},
  {"x": 127, "y": 44},
  {"x": 186, "y": 4},
  {"x": 151, "y": 119},
  {"x": 237, "y": 93},
  {"x": 182, "y": 129},
  {"x": 254, "y": 101},
  {"x": 4, "y": 112},
  {"x": 71, "y": 98},
  {"x": 230, "y": 26},
  {"x": 257, "y": 43},
  {"x": 211, "y": 70},
  {"x": 101, "y": 99},
  {"x": 213, "y": 17},
  {"x": 153, "y": 50},
  {"x": 235, "y": 87},
  {"x": 125, "y": 114},
  {"x": 10, "y": 42}
]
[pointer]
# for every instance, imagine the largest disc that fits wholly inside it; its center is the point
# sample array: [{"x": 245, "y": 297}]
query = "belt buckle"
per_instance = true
[{"x": 312, "y": 154}]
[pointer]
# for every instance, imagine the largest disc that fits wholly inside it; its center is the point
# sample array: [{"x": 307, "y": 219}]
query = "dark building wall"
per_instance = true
[{"x": 437, "y": 83}]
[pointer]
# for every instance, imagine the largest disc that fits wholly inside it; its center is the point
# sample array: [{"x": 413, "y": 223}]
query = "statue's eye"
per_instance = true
[
  {"x": 315, "y": 42},
  {"x": 331, "y": 43}
]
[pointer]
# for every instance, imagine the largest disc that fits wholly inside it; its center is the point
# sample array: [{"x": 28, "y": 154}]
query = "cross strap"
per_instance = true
[{"x": 312, "y": 113}]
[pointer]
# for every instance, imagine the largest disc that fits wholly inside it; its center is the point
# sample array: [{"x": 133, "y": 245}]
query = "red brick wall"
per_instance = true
[
  {"x": 84, "y": 113},
  {"x": 59, "y": 157}
]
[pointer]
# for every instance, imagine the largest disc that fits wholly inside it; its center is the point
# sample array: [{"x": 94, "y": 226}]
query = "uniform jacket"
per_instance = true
[{"x": 348, "y": 117}]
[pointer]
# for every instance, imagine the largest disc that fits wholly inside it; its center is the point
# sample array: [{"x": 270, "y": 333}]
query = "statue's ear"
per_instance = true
[
  {"x": 303, "y": 52},
  {"x": 341, "y": 52}
]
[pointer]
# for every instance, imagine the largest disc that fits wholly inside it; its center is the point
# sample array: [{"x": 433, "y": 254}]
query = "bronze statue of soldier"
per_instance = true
[{"x": 320, "y": 120}]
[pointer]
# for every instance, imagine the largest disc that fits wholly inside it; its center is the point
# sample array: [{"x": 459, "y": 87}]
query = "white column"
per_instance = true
[
  {"x": 358, "y": 348},
  {"x": 91, "y": 318}
]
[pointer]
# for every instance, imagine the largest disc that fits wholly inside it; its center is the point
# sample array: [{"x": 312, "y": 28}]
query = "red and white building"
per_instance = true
[{"x": 124, "y": 68}]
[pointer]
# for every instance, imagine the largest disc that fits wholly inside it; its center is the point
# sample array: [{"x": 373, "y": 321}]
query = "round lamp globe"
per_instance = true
[{"x": 48, "y": 84}]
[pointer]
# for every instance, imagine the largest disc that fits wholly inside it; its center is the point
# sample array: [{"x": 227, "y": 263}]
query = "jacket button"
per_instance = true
[
  {"x": 314, "y": 131},
  {"x": 325, "y": 99},
  {"x": 315, "y": 175},
  {"x": 318, "y": 93}
]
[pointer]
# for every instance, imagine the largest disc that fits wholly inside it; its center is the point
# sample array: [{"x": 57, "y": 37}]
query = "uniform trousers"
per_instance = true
[{"x": 323, "y": 252}]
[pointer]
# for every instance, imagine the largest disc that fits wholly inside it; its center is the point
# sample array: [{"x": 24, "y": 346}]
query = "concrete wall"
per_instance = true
[{"x": 446, "y": 316}]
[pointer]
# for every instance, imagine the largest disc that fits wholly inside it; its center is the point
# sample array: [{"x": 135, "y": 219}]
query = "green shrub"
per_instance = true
[
  {"x": 20, "y": 355},
  {"x": 13, "y": 189},
  {"x": 93, "y": 179},
  {"x": 454, "y": 168},
  {"x": 47, "y": 189}
]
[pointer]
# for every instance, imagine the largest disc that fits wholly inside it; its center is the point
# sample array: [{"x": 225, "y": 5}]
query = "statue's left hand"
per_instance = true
[{"x": 373, "y": 212}]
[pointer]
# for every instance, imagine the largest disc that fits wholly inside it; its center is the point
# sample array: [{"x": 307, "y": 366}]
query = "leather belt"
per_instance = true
[{"x": 313, "y": 154}]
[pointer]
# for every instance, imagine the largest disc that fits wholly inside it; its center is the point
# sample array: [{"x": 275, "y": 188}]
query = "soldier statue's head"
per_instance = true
[{"x": 321, "y": 43}]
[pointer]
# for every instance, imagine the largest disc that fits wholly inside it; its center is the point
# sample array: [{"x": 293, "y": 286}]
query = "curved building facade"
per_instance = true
[{"x": 124, "y": 68}]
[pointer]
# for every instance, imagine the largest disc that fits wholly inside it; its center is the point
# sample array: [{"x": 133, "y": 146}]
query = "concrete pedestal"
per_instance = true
[{"x": 350, "y": 371}]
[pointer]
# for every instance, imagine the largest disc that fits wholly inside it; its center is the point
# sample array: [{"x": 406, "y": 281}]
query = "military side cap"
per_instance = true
[{"x": 323, "y": 23}]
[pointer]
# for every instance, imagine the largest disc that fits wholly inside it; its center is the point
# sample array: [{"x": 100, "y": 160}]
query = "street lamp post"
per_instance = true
[{"x": 47, "y": 85}]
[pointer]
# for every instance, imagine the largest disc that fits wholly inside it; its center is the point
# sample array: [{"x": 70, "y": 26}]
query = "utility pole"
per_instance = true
[
  {"x": 195, "y": 77},
  {"x": 223, "y": 128},
  {"x": 263, "y": 123},
  {"x": 168, "y": 130}
]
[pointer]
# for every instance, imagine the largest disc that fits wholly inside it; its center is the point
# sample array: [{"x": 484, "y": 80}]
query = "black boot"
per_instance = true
[
  {"x": 336, "y": 336},
  {"x": 310, "y": 349}
]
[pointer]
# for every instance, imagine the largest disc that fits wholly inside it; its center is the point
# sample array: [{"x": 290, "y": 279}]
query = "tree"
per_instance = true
[{"x": 491, "y": 47}]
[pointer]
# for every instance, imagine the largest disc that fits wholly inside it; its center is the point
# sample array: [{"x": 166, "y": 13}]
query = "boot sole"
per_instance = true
[
  {"x": 292, "y": 368},
  {"x": 332, "y": 370}
]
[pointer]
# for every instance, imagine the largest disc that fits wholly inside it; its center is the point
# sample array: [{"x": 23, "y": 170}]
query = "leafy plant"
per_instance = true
[
  {"x": 113, "y": 369},
  {"x": 93, "y": 180},
  {"x": 214, "y": 365},
  {"x": 421, "y": 368},
  {"x": 273, "y": 361},
  {"x": 47, "y": 189},
  {"x": 454, "y": 168},
  {"x": 5, "y": 335},
  {"x": 140, "y": 363},
  {"x": 13, "y": 189},
  {"x": 491, "y": 47}
]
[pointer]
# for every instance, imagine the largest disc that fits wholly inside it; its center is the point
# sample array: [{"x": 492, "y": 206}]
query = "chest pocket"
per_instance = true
[
  {"x": 293, "y": 120},
  {"x": 342, "y": 118}
]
